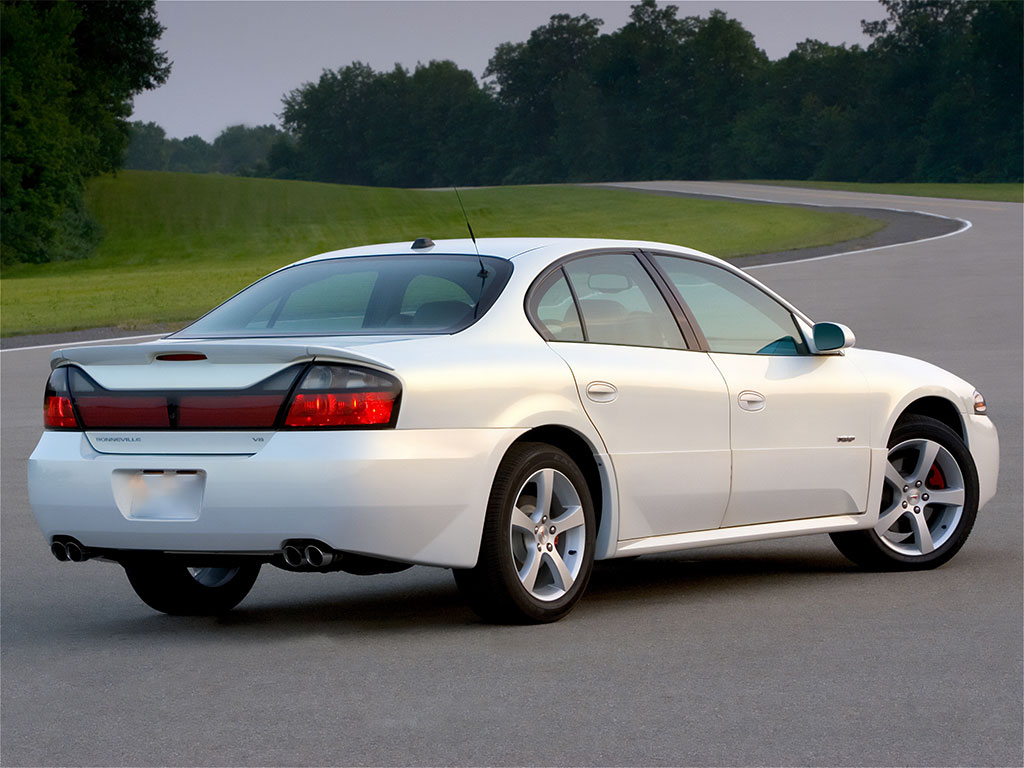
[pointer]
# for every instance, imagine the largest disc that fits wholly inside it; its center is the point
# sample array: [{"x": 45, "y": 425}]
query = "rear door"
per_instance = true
[{"x": 661, "y": 408}]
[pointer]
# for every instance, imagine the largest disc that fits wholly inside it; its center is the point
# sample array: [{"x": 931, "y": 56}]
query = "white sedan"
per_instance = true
[{"x": 512, "y": 409}]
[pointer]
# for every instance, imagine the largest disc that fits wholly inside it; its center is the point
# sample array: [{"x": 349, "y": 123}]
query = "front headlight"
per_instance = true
[{"x": 979, "y": 403}]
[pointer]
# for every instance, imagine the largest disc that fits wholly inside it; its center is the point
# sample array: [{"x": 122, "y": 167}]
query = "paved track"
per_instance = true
[{"x": 770, "y": 654}]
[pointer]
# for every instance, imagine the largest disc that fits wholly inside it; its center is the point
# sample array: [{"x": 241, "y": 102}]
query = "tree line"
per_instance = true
[{"x": 935, "y": 97}]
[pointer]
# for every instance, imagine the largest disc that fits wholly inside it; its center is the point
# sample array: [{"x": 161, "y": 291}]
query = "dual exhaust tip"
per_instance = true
[
  {"x": 69, "y": 550},
  {"x": 296, "y": 554},
  {"x": 314, "y": 554}
]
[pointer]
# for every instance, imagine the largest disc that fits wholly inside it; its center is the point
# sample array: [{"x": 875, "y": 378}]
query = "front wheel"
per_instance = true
[
  {"x": 183, "y": 591},
  {"x": 929, "y": 501},
  {"x": 537, "y": 550}
]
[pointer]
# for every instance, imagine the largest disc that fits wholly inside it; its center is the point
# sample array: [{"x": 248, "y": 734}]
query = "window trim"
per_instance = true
[
  {"x": 532, "y": 299},
  {"x": 795, "y": 314}
]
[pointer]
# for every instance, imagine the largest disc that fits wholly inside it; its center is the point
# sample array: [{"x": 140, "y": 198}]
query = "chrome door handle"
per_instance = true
[
  {"x": 750, "y": 400},
  {"x": 602, "y": 391}
]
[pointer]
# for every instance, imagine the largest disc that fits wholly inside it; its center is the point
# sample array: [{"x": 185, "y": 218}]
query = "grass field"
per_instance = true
[
  {"x": 177, "y": 244},
  {"x": 1003, "y": 193}
]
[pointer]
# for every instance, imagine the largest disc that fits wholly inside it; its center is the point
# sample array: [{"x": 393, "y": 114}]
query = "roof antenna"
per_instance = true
[
  {"x": 483, "y": 274},
  {"x": 483, "y": 271}
]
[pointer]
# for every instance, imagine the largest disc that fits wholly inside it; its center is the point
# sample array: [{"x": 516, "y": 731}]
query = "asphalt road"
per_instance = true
[{"x": 769, "y": 654}]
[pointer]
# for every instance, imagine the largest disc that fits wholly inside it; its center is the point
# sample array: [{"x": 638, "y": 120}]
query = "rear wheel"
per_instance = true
[
  {"x": 537, "y": 550},
  {"x": 929, "y": 501},
  {"x": 183, "y": 591}
]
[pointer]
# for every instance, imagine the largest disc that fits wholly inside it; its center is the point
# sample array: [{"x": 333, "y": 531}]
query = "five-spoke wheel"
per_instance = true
[
  {"x": 537, "y": 550},
  {"x": 547, "y": 534},
  {"x": 929, "y": 500}
]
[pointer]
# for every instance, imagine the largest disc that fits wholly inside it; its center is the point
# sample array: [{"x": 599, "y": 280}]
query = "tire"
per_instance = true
[
  {"x": 183, "y": 591},
  {"x": 925, "y": 525},
  {"x": 535, "y": 560}
]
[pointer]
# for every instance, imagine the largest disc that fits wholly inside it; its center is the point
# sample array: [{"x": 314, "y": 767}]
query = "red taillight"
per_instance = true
[
  {"x": 59, "y": 414},
  {"x": 58, "y": 410},
  {"x": 340, "y": 396},
  {"x": 340, "y": 410}
]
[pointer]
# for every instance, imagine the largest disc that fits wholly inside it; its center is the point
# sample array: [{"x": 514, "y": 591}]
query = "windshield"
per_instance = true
[{"x": 361, "y": 295}]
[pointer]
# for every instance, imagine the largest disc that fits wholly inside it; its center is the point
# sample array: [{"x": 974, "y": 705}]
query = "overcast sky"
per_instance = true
[{"x": 235, "y": 59}]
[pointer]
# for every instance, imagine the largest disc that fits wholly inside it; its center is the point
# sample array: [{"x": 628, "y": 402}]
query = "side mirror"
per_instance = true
[{"x": 829, "y": 337}]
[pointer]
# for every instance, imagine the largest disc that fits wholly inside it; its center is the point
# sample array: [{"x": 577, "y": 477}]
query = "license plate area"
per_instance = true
[{"x": 159, "y": 494}]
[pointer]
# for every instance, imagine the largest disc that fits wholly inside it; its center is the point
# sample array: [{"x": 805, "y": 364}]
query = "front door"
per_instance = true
[{"x": 799, "y": 431}]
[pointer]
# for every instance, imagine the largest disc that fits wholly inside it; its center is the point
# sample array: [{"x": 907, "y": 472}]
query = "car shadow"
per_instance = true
[{"x": 385, "y": 604}]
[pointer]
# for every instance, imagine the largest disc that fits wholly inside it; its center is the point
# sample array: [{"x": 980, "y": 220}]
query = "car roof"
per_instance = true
[{"x": 540, "y": 249}]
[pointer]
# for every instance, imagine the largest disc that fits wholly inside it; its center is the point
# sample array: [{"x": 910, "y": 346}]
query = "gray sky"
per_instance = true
[{"x": 235, "y": 59}]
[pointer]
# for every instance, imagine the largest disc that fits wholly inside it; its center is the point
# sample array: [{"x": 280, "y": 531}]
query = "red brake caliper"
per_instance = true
[{"x": 936, "y": 479}]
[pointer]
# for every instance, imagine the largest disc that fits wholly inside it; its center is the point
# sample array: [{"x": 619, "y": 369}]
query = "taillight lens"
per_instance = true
[
  {"x": 333, "y": 396},
  {"x": 58, "y": 410}
]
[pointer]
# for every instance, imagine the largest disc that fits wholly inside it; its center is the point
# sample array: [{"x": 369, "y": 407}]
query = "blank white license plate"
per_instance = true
[{"x": 150, "y": 494}]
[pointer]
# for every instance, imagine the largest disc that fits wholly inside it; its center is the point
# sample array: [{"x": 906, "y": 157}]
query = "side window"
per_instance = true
[
  {"x": 621, "y": 304},
  {"x": 734, "y": 315},
  {"x": 556, "y": 310}
]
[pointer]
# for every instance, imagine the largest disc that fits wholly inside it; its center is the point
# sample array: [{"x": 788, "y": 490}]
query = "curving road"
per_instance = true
[{"x": 768, "y": 654}]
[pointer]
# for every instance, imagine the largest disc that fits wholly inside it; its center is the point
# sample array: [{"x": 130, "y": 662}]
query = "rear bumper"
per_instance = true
[{"x": 416, "y": 496}]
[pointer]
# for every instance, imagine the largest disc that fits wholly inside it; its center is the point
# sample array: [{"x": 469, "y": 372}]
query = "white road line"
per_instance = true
[
  {"x": 80, "y": 343},
  {"x": 964, "y": 222},
  {"x": 966, "y": 225}
]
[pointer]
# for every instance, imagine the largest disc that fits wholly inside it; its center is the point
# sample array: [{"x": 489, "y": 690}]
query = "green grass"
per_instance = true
[
  {"x": 1003, "y": 193},
  {"x": 175, "y": 244}
]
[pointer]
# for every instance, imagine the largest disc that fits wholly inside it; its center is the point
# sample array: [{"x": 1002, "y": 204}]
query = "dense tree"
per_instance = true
[
  {"x": 435, "y": 126},
  {"x": 533, "y": 80},
  {"x": 148, "y": 147},
  {"x": 189, "y": 155},
  {"x": 68, "y": 74}
]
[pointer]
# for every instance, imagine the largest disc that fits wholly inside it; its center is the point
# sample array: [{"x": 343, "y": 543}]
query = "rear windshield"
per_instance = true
[{"x": 361, "y": 295}]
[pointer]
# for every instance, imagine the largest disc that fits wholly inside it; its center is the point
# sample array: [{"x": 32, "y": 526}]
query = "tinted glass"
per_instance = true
[
  {"x": 361, "y": 295},
  {"x": 620, "y": 303},
  {"x": 556, "y": 310},
  {"x": 734, "y": 315}
]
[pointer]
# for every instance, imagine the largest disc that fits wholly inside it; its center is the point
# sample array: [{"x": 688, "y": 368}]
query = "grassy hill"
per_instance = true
[{"x": 176, "y": 244}]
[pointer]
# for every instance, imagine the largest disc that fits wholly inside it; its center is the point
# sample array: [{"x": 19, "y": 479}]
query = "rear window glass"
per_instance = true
[{"x": 361, "y": 295}]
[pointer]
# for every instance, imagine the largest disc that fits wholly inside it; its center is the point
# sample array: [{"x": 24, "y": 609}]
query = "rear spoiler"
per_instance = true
[{"x": 214, "y": 351}]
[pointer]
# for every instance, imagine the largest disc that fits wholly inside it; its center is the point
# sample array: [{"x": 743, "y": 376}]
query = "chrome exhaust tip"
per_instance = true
[
  {"x": 59, "y": 551},
  {"x": 75, "y": 552},
  {"x": 317, "y": 557},
  {"x": 293, "y": 556}
]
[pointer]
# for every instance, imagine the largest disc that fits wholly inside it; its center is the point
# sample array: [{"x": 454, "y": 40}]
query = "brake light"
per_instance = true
[
  {"x": 340, "y": 410},
  {"x": 58, "y": 410},
  {"x": 333, "y": 396}
]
